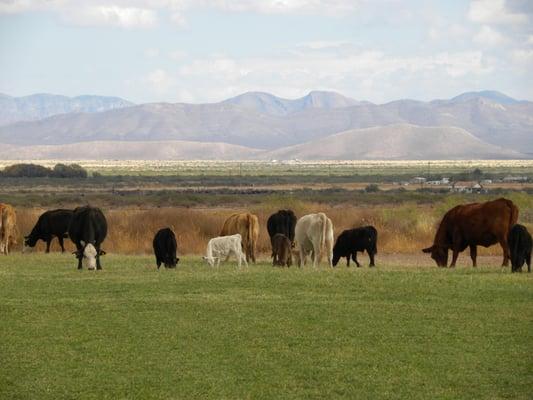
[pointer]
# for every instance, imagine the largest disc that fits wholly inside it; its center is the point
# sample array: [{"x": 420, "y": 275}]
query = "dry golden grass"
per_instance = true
[{"x": 404, "y": 229}]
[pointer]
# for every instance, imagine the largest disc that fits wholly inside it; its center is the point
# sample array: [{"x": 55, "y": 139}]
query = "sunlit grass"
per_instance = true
[{"x": 131, "y": 331}]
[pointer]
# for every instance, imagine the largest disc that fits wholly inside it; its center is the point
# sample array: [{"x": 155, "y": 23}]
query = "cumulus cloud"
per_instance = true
[
  {"x": 122, "y": 17},
  {"x": 160, "y": 81},
  {"x": 488, "y": 36},
  {"x": 367, "y": 72},
  {"x": 494, "y": 12},
  {"x": 141, "y": 12}
]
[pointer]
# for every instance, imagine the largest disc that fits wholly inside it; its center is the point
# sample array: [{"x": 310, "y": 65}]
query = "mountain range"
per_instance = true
[{"x": 320, "y": 125}]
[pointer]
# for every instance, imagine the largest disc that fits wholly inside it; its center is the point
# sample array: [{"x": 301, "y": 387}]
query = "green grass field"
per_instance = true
[{"x": 130, "y": 331}]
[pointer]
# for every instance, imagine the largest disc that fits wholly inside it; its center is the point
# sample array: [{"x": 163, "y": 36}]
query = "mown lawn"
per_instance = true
[{"x": 195, "y": 333}]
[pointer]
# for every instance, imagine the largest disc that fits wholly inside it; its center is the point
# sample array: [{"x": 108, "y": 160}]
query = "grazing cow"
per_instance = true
[
  {"x": 351, "y": 241},
  {"x": 281, "y": 250},
  {"x": 520, "y": 244},
  {"x": 284, "y": 222},
  {"x": 223, "y": 247},
  {"x": 165, "y": 247},
  {"x": 8, "y": 222},
  {"x": 314, "y": 235},
  {"x": 471, "y": 225},
  {"x": 247, "y": 225},
  {"x": 88, "y": 229},
  {"x": 50, "y": 223}
]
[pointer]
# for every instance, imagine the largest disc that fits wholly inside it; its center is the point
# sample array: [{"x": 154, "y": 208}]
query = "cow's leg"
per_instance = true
[
  {"x": 316, "y": 254},
  {"x": 244, "y": 259},
  {"x": 371, "y": 256},
  {"x": 455, "y": 254},
  {"x": 61, "y": 243},
  {"x": 505, "y": 247},
  {"x": 354, "y": 258},
  {"x": 252, "y": 252},
  {"x": 528, "y": 262},
  {"x": 348, "y": 260},
  {"x": 98, "y": 265},
  {"x": 473, "y": 255},
  {"x": 301, "y": 256},
  {"x": 48, "y": 241}
]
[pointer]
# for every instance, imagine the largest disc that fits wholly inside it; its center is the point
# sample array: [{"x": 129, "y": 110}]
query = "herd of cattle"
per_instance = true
[{"x": 468, "y": 225}]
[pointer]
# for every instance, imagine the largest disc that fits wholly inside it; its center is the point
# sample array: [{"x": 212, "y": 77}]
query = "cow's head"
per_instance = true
[
  {"x": 28, "y": 244},
  {"x": 336, "y": 258},
  {"x": 172, "y": 264},
  {"x": 88, "y": 255},
  {"x": 210, "y": 260},
  {"x": 439, "y": 254}
]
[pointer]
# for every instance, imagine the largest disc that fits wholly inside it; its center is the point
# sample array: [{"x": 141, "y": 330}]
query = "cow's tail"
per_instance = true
[
  {"x": 251, "y": 241},
  {"x": 375, "y": 241},
  {"x": 514, "y": 214},
  {"x": 324, "y": 220}
]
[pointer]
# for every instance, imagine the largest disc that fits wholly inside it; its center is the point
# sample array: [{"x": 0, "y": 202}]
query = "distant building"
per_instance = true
[
  {"x": 417, "y": 180},
  {"x": 443, "y": 181},
  {"x": 515, "y": 179},
  {"x": 472, "y": 187}
]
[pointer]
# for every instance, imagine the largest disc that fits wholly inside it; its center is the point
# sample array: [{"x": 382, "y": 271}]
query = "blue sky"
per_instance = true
[{"x": 208, "y": 50}]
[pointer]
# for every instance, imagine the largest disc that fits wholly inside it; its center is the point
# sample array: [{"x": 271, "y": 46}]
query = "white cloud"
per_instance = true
[
  {"x": 122, "y": 17},
  {"x": 327, "y": 7},
  {"x": 488, "y": 36},
  {"x": 523, "y": 58},
  {"x": 494, "y": 12},
  {"x": 117, "y": 9},
  {"x": 177, "y": 55},
  {"x": 367, "y": 72},
  {"x": 160, "y": 81},
  {"x": 151, "y": 53}
]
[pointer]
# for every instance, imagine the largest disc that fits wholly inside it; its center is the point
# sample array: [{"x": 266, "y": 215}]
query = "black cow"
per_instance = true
[
  {"x": 50, "y": 223},
  {"x": 520, "y": 247},
  {"x": 351, "y": 241},
  {"x": 165, "y": 247},
  {"x": 282, "y": 222},
  {"x": 88, "y": 229}
]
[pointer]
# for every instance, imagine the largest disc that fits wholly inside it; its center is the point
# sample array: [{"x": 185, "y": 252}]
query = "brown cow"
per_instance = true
[
  {"x": 471, "y": 225},
  {"x": 281, "y": 250},
  {"x": 248, "y": 226},
  {"x": 8, "y": 221}
]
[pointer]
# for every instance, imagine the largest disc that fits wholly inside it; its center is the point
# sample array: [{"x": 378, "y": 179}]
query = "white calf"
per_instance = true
[
  {"x": 313, "y": 235},
  {"x": 223, "y": 247}
]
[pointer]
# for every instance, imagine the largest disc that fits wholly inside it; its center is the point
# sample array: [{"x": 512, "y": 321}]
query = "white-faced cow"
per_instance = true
[
  {"x": 8, "y": 222},
  {"x": 314, "y": 235},
  {"x": 165, "y": 248},
  {"x": 223, "y": 247},
  {"x": 50, "y": 223},
  {"x": 88, "y": 229}
]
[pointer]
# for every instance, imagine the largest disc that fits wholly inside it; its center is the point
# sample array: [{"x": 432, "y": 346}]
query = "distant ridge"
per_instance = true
[
  {"x": 267, "y": 123},
  {"x": 270, "y": 104},
  {"x": 396, "y": 142},
  {"x": 43, "y": 105}
]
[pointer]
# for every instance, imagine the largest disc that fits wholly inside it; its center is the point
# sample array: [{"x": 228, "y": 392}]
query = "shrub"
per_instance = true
[
  {"x": 26, "y": 171},
  {"x": 372, "y": 188},
  {"x": 69, "y": 171},
  {"x": 38, "y": 171}
]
